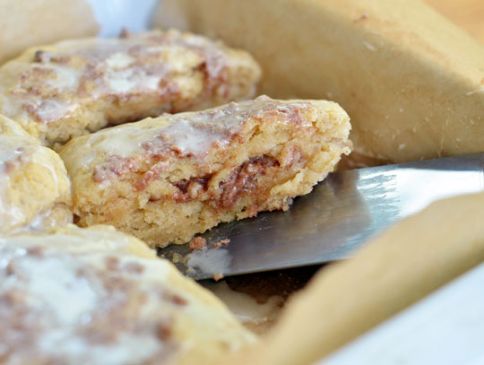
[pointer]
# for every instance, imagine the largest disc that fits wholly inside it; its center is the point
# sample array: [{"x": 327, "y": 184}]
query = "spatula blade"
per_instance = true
[{"x": 334, "y": 220}]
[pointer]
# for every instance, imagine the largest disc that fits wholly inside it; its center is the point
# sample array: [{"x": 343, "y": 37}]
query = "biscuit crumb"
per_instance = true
[
  {"x": 197, "y": 243},
  {"x": 220, "y": 243}
]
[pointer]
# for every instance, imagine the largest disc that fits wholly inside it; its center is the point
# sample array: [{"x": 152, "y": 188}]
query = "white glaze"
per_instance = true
[
  {"x": 69, "y": 297},
  {"x": 43, "y": 221},
  {"x": 93, "y": 240},
  {"x": 127, "y": 350},
  {"x": 190, "y": 138},
  {"x": 191, "y": 133},
  {"x": 54, "y": 109},
  {"x": 120, "y": 81},
  {"x": 127, "y": 80},
  {"x": 209, "y": 261},
  {"x": 120, "y": 68},
  {"x": 66, "y": 78},
  {"x": 18, "y": 153},
  {"x": 119, "y": 60},
  {"x": 10, "y": 150},
  {"x": 13, "y": 152},
  {"x": 63, "y": 299},
  {"x": 63, "y": 290}
]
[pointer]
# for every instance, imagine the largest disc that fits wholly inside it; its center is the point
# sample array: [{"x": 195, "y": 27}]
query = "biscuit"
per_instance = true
[
  {"x": 97, "y": 296},
  {"x": 75, "y": 87},
  {"x": 166, "y": 179},
  {"x": 34, "y": 186}
]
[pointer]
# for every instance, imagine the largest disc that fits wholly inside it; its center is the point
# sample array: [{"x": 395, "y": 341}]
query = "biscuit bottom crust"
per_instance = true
[{"x": 271, "y": 164}]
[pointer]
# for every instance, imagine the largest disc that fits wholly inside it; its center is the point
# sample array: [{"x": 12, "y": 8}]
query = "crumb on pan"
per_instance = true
[{"x": 197, "y": 243}]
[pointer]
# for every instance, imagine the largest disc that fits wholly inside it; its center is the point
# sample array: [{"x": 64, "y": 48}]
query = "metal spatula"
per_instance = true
[{"x": 334, "y": 220}]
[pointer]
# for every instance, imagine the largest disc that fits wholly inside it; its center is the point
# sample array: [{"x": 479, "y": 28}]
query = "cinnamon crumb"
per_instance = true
[
  {"x": 197, "y": 243},
  {"x": 8, "y": 166},
  {"x": 164, "y": 332},
  {"x": 10, "y": 269},
  {"x": 134, "y": 268},
  {"x": 243, "y": 179},
  {"x": 112, "y": 263},
  {"x": 39, "y": 56},
  {"x": 35, "y": 251},
  {"x": 220, "y": 243},
  {"x": 176, "y": 299}
]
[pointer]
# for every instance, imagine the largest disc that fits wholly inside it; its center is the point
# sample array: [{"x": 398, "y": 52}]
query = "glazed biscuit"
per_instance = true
[
  {"x": 166, "y": 179},
  {"x": 97, "y": 296},
  {"x": 34, "y": 186},
  {"x": 26, "y": 23},
  {"x": 75, "y": 87}
]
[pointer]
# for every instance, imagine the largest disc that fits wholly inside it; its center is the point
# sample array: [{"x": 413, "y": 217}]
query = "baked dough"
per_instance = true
[
  {"x": 26, "y": 23},
  {"x": 166, "y": 179},
  {"x": 34, "y": 186},
  {"x": 97, "y": 296},
  {"x": 75, "y": 87},
  {"x": 412, "y": 82}
]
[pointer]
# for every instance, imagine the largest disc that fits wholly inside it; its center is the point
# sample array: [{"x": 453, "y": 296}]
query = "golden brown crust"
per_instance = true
[
  {"x": 76, "y": 87},
  {"x": 166, "y": 179}
]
